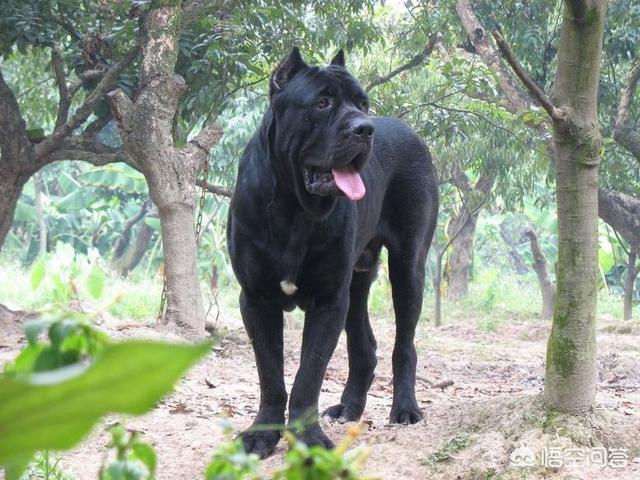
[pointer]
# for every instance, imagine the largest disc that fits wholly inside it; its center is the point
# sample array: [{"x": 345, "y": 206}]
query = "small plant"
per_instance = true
[
  {"x": 46, "y": 466},
  {"x": 231, "y": 462},
  {"x": 135, "y": 459},
  {"x": 457, "y": 443},
  {"x": 65, "y": 276},
  {"x": 318, "y": 463}
]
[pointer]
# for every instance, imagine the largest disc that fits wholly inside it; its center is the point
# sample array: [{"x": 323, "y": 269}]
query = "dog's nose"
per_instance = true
[{"x": 362, "y": 127}]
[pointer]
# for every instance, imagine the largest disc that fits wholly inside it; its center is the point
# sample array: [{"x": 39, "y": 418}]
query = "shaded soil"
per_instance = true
[{"x": 470, "y": 428}]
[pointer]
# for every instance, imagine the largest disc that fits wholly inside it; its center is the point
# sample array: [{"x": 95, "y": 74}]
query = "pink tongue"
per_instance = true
[{"x": 348, "y": 180}]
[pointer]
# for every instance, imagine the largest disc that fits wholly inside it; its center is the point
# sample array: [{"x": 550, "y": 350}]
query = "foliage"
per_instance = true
[
  {"x": 303, "y": 462},
  {"x": 135, "y": 459},
  {"x": 231, "y": 462},
  {"x": 48, "y": 467},
  {"x": 55, "y": 390}
]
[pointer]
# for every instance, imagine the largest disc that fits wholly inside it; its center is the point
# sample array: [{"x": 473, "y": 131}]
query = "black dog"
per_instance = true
[{"x": 317, "y": 196}]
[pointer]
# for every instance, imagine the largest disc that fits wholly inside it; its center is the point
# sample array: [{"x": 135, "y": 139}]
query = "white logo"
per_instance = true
[{"x": 523, "y": 457}]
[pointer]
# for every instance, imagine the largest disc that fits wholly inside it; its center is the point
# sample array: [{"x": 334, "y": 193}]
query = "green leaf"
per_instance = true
[
  {"x": 126, "y": 470},
  {"x": 25, "y": 213},
  {"x": 153, "y": 223},
  {"x": 145, "y": 453},
  {"x": 13, "y": 470},
  {"x": 33, "y": 328},
  {"x": 49, "y": 414},
  {"x": 95, "y": 282},
  {"x": 37, "y": 272}
]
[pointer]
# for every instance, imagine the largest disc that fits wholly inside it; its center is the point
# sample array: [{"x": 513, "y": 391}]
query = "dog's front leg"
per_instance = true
[
  {"x": 322, "y": 326},
  {"x": 264, "y": 324}
]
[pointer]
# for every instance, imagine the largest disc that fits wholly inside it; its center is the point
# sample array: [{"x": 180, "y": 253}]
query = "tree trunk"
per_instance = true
[
  {"x": 42, "y": 223},
  {"x": 146, "y": 130},
  {"x": 632, "y": 273},
  {"x": 10, "y": 190},
  {"x": 547, "y": 287},
  {"x": 570, "y": 383},
  {"x": 437, "y": 286},
  {"x": 462, "y": 228},
  {"x": 133, "y": 253},
  {"x": 180, "y": 266},
  {"x": 461, "y": 257}
]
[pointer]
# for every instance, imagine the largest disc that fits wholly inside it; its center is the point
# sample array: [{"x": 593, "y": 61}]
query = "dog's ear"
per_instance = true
[
  {"x": 286, "y": 70},
  {"x": 338, "y": 59}
]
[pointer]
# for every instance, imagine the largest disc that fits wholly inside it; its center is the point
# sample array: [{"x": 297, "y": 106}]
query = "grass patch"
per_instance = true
[{"x": 446, "y": 452}]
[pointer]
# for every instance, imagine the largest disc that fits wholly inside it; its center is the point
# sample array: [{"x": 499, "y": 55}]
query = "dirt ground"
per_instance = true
[{"x": 470, "y": 429}]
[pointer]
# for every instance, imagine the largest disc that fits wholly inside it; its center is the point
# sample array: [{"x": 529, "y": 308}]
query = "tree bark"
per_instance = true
[
  {"x": 629, "y": 284},
  {"x": 146, "y": 130},
  {"x": 437, "y": 284},
  {"x": 624, "y": 133},
  {"x": 463, "y": 229},
  {"x": 127, "y": 254},
  {"x": 622, "y": 213},
  {"x": 547, "y": 288},
  {"x": 42, "y": 224},
  {"x": 461, "y": 259},
  {"x": 570, "y": 382},
  {"x": 11, "y": 186},
  {"x": 134, "y": 252}
]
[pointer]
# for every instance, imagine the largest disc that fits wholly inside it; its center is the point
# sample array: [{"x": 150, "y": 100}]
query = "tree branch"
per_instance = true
[
  {"x": 622, "y": 212},
  {"x": 123, "y": 241},
  {"x": 84, "y": 77},
  {"x": 95, "y": 153},
  {"x": 460, "y": 179},
  {"x": 414, "y": 62},
  {"x": 515, "y": 98},
  {"x": 215, "y": 189},
  {"x": 555, "y": 113},
  {"x": 64, "y": 102},
  {"x": 108, "y": 81},
  {"x": 623, "y": 132},
  {"x": 209, "y": 135}
]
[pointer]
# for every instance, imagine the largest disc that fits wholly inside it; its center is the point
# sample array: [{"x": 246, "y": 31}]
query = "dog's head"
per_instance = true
[{"x": 320, "y": 133}]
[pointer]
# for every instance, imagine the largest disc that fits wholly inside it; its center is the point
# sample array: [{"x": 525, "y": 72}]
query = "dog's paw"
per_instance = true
[
  {"x": 406, "y": 414},
  {"x": 313, "y": 435},
  {"x": 262, "y": 443},
  {"x": 344, "y": 412}
]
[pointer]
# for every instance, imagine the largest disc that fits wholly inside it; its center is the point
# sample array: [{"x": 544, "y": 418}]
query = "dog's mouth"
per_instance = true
[{"x": 344, "y": 180}]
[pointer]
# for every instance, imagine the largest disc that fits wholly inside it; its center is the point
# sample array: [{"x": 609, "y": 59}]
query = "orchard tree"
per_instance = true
[
  {"x": 575, "y": 149},
  {"x": 570, "y": 380}
]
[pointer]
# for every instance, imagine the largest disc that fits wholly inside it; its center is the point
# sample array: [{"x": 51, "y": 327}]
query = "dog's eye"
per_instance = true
[
  {"x": 324, "y": 103},
  {"x": 364, "y": 106}
]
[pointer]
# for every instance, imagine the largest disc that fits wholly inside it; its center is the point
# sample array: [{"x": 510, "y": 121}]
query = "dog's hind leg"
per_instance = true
[
  {"x": 361, "y": 345},
  {"x": 264, "y": 324}
]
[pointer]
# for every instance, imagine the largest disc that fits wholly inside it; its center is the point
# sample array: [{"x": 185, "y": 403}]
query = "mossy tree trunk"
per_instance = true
[{"x": 570, "y": 383}]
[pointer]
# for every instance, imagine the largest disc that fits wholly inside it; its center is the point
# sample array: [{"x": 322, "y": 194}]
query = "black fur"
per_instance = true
[{"x": 326, "y": 245}]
